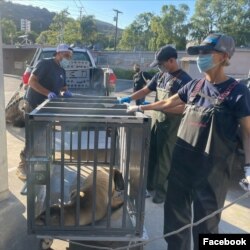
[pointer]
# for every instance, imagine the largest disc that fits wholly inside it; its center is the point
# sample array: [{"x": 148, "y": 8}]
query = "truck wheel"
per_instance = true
[
  {"x": 45, "y": 243},
  {"x": 14, "y": 110},
  {"x": 14, "y": 114}
]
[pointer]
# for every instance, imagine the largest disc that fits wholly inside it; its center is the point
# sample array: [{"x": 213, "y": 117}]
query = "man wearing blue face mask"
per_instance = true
[
  {"x": 48, "y": 80},
  {"x": 203, "y": 156},
  {"x": 165, "y": 83}
]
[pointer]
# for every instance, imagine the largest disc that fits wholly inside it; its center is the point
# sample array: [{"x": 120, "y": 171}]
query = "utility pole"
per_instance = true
[
  {"x": 81, "y": 12},
  {"x": 116, "y": 21}
]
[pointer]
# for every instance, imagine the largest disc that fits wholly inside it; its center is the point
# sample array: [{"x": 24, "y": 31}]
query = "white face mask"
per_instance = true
[{"x": 64, "y": 63}]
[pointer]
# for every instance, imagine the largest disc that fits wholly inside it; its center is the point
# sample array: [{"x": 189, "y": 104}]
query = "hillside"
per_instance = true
[
  {"x": 41, "y": 18},
  {"x": 106, "y": 28}
]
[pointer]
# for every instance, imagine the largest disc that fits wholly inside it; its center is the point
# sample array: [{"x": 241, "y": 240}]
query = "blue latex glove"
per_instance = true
[
  {"x": 67, "y": 93},
  {"x": 125, "y": 99},
  {"x": 51, "y": 95},
  {"x": 145, "y": 103}
]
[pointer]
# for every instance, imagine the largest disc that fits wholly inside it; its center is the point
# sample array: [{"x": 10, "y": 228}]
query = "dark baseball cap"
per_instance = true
[
  {"x": 163, "y": 54},
  {"x": 214, "y": 42}
]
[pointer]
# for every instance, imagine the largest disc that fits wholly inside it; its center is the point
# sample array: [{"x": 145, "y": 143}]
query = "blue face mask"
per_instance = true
[
  {"x": 205, "y": 62},
  {"x": 64, "y": 63}
]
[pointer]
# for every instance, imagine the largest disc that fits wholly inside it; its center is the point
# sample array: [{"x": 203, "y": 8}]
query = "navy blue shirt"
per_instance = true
[
  {"x": 238, "y": 101},
  {"x": 140, "y": 80},
  {"x": 51, "y": 76},
  {"x": 161, "y": 80}
]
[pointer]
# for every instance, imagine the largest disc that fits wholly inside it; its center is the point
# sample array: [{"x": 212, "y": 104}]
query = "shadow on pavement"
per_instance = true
[
  {"x": 18, "y": 133},
  {"x": 13, "y": 230}
]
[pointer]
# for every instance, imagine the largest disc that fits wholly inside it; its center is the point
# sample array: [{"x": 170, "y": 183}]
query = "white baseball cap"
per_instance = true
[{"x": 63, "y": 48}]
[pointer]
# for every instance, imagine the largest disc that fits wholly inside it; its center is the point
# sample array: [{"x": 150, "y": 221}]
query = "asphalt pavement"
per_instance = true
[{"x": 13, "y": 216}]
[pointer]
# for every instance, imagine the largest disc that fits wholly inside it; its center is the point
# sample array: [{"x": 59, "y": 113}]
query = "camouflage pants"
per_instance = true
[{"x": 27, "y": 108}]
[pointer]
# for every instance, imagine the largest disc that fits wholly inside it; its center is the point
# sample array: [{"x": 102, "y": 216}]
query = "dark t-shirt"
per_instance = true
[
  {"x": 51, "y": 76},
  {"x": 161, "y": 80},
  {"x": 139, "y": 80},
  {"x": 238, "y": 101}
]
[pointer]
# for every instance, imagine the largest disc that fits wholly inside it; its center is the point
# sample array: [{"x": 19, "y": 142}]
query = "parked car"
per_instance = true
[{"x": 82, "y": 77}]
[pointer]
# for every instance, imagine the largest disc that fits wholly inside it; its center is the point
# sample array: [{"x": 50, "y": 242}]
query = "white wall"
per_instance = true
[{"x": 239, "y": 68}]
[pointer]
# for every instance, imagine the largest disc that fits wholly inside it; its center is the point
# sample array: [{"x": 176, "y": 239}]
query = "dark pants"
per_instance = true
[
  {"x": 177, "y": 211},
  {"x": 27, "y": 108}
]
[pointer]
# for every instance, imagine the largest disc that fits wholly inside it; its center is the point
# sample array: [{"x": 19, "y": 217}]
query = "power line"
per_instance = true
[{"x": 116, "y": 21}]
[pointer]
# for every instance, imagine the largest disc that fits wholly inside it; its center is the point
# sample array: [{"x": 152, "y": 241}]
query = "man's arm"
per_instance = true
[
  {"x": 179, "y": 109},
  {"x": 245, "y": 133},
  {"x": 140, "y": 93},
  {"x": 172, "y": 105},
  {"x": 34, "y": 84}
]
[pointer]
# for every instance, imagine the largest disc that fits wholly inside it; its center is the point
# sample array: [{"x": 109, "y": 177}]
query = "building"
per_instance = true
[{"x": 25, "y": 25}]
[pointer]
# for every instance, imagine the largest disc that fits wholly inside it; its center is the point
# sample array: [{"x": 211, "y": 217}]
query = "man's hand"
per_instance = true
[
  {"x": 126, "y": 99},
  {"x": 67, "y": 93},
  {"x": 51, "y": 95},
  {"x": 131, "y": 109},
  {"x": 245, "y": 183},
  {"x": 247, "y": 175}
]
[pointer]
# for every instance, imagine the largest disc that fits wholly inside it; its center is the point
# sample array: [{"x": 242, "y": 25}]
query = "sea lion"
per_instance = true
[{"x": 86, "y": 197}]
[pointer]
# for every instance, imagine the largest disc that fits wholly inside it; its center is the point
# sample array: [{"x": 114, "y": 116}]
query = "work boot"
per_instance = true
[
  {"x": 150, "y": 187},
  {"x": 159, "y": 197},
  {"x": 147, "y": 194},
  {"x": 21, "y": 171}
]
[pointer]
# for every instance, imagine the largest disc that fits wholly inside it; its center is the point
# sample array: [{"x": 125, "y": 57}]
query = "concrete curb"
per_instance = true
[{"x": 13, "y": 76}]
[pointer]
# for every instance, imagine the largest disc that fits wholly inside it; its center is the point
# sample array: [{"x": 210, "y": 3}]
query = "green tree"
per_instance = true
[
  {"x": 58, "y": 26},
  {"x": 137, "y": 35},
  {"x": 32, "y": 35},
  {"x": 47, "y": 37},
  {"x": 129, "y": 38},
  {"x": 230, "y": 17},
  {"x": 72, "y": 32},
  {"x": 63, "y": 29},
  {"x": 8, "y": 30},
  {"x": 88, "y": 30},
  {"x": 171, "y": 27},
  {"x": 102, "y": 41}
]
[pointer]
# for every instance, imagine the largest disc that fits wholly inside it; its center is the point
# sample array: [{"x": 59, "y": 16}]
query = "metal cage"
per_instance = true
[{"x": 74, "y": 141}]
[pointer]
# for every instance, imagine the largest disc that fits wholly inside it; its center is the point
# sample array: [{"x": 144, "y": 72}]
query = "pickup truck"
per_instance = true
[{"x": 83, "y": 77}]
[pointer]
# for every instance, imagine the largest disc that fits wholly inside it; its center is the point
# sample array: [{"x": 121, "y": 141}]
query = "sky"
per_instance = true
[{"x": 104, "y": 9}]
